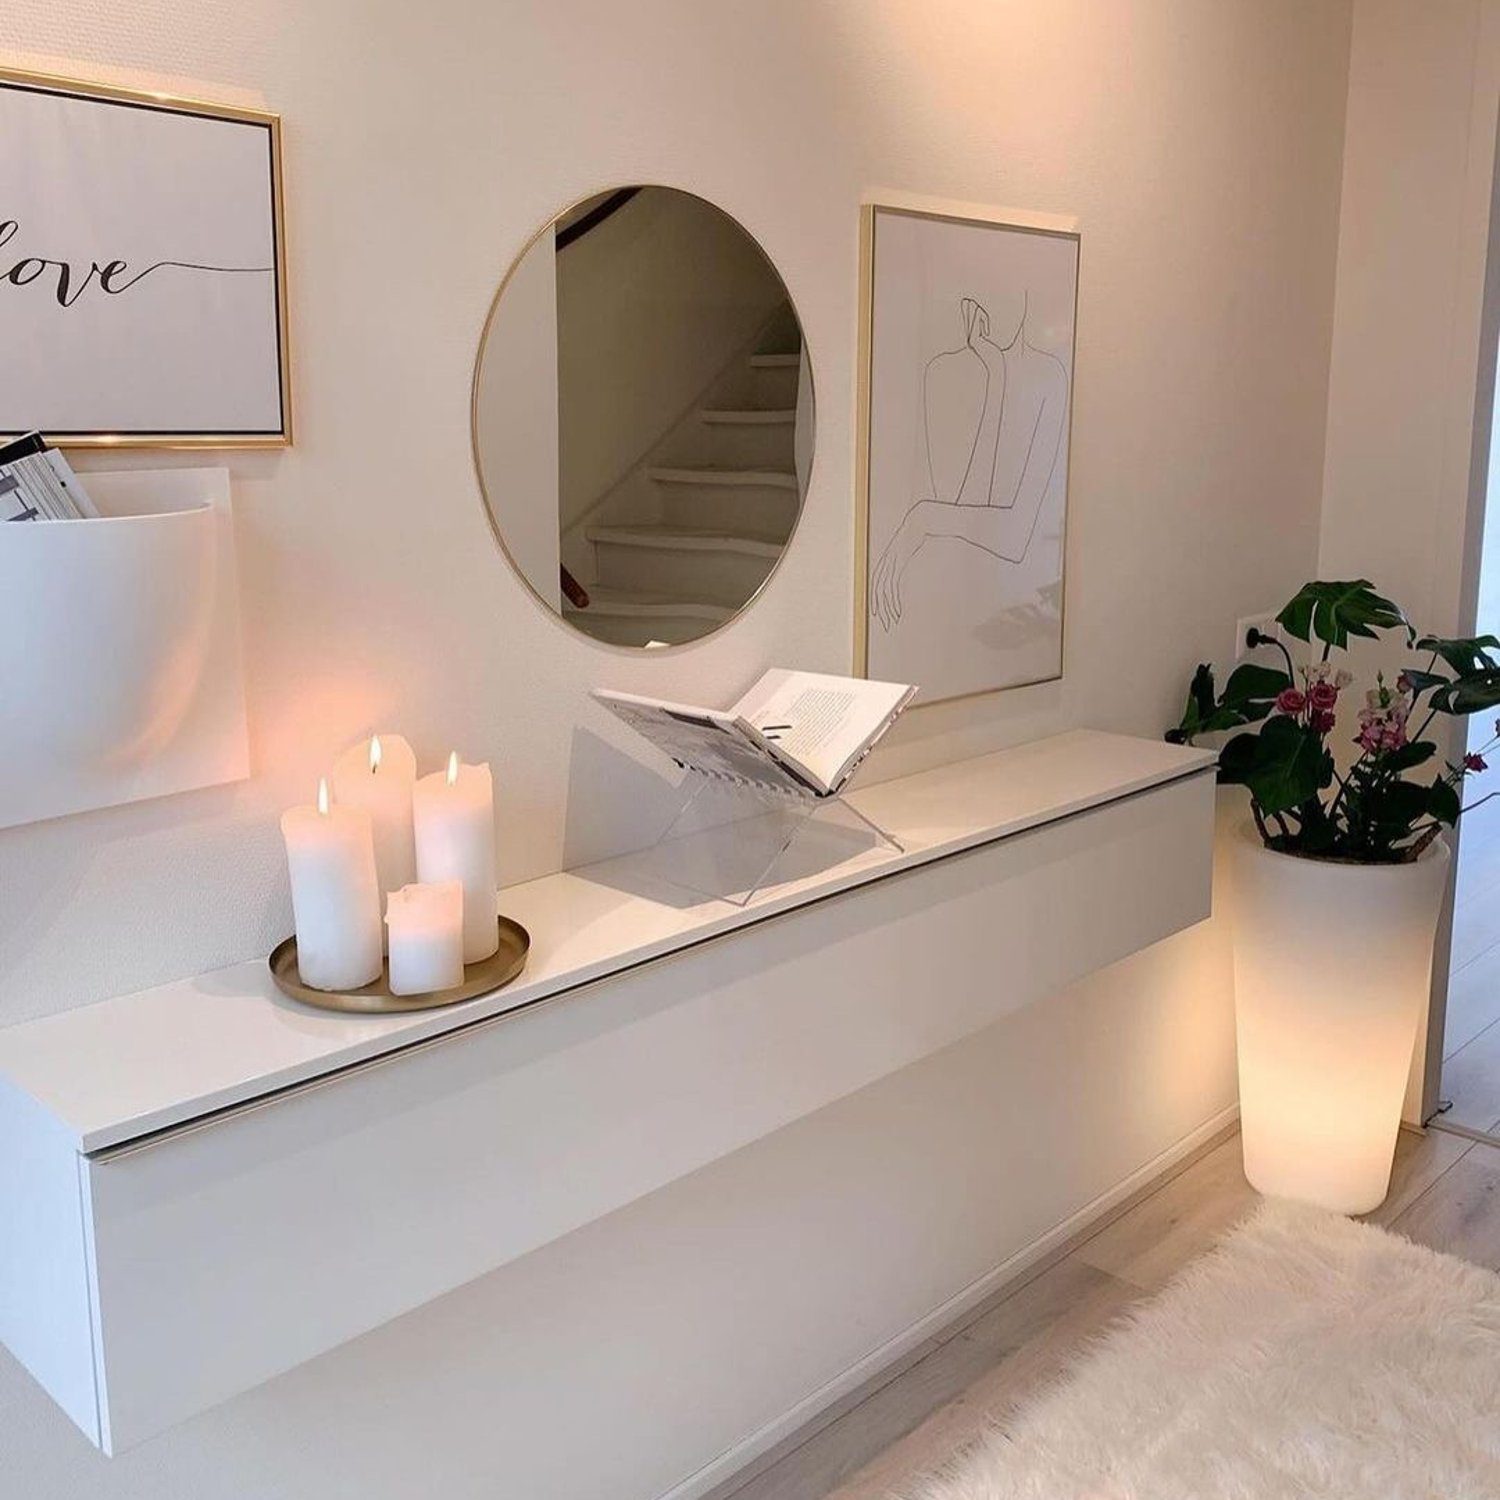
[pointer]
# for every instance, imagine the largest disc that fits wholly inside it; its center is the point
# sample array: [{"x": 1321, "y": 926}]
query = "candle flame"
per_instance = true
[
  {"x": 453, "y": 768},
  {"x": 374, "y": 753},
  {"x": 323, "y": 795}
]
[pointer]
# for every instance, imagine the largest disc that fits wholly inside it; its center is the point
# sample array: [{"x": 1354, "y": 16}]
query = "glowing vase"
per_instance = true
[{"x": 1332, "y": 966}]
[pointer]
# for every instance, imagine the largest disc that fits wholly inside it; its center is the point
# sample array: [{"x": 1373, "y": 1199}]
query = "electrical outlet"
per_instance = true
[{"x": 1266, "y": 624}]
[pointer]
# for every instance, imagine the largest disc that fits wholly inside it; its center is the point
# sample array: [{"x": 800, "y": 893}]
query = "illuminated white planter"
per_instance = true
[{"x": 1332, "y": 964}]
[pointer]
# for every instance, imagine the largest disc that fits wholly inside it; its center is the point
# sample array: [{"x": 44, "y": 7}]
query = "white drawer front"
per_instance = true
[{"x": 233, "y": 1250}]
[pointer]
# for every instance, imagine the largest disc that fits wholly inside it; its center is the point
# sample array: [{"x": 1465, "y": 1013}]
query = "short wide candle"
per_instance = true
[
  {"x": 455, "y": 822},
  {"x": 426, "y": 937},
  {"x": 335, "y": 899}
]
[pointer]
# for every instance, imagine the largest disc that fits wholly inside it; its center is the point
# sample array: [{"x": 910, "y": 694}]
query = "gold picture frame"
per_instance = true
[
  {"x": 940, "y": 210},
  {"x": 99, "y": 93}
]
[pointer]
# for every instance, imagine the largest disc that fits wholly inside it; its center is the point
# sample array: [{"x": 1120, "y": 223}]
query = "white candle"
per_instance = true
[
  {"x": 335, "y": 901},
  {"x": 426, "y": 925},
  {"x": 378, "y": 775},
  {"x": 455, "y": 823}
]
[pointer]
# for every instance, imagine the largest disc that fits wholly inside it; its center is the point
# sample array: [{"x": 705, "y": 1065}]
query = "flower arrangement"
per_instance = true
[{"x": 1374, "y": 803}]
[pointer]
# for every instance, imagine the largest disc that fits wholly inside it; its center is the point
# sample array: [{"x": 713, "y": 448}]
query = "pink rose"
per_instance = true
[
  {"x": 1322, "y": 720},
  {"x": 1291, "y": 701},
  {"x": 1323, "y": 696}
]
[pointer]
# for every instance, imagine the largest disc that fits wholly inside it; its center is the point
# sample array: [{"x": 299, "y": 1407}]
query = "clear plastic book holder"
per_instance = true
[{"x": 730, "y": 839}]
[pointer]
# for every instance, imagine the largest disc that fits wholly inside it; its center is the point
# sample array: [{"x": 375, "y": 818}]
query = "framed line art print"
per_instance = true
[
  {"x": 965, "y": 400},
  {"x": 142, "y": 269}
]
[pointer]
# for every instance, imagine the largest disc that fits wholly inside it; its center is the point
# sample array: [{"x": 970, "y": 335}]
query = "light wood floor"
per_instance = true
[{"x": 1445, "y": 1193}]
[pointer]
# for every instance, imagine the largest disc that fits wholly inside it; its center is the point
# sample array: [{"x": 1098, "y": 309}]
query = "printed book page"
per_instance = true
[
  {"x": 824, "y": 725},
  {"x": 703, "y": 739},
  {"x": 793, "y": 731}
]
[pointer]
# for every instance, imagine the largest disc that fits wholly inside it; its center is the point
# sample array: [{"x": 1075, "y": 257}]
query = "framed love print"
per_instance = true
[
  {"x": 142, "y": 269},
  {"x": 966, "y": 383}
]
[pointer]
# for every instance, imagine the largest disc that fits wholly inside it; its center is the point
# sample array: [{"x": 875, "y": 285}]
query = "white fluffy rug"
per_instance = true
[{"x": 1305, "y": 1356}]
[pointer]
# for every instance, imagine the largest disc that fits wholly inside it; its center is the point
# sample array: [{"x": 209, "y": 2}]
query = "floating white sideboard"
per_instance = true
[{"x": 205, "y": 1184}]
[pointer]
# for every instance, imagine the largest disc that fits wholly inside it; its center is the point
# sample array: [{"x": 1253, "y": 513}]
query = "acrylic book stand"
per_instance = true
[{"x": 731, "y": 838}]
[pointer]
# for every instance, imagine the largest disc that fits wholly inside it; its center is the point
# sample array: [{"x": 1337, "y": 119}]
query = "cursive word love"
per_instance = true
[{"x": 112, "y": 277}]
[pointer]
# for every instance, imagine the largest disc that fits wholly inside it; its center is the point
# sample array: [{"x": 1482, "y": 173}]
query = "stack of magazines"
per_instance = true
[{"x": 38, "y": 484}]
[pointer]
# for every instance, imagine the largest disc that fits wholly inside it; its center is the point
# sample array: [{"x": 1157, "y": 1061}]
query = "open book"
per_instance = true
[{"x": 793, "y": 731}]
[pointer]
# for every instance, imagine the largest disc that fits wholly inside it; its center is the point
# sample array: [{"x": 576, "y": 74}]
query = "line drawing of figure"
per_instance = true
[{"x": 993, "y": 417}]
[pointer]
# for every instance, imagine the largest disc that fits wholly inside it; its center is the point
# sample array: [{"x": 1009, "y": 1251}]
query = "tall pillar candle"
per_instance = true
[
  {"x": 454, "y": 814},
  {"x": 378, "y": 775},
  {"x": 330, "y": 852}
]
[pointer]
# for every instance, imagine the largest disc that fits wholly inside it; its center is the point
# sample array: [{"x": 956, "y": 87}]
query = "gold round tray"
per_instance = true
[{"x": 479, "y": 978}]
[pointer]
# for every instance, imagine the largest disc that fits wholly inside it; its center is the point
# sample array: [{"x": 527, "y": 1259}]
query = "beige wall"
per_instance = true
[
  {"x": 1414, "y": 342},
  {"x": 1199, "y": 145},
  {"x": 1407, "y": 360}
]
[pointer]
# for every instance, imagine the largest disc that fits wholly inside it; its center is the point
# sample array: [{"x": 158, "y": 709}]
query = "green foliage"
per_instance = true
[
  {"x": 1475, "y": 684},
  {"x": 1465, "y": 656},
  {"x": 1247, "y": 698},
  {"x": 1335, "y": 611},
  {"x": 1390, "y": 810},
  {"x": 1285, "y": 765},
  {"x": 1468, "y": 695},
  {"x": 1409, "y": 757},
  {"x": 1443, "y": 802},
  {"x": 1252, "y": 689},
  {"x": 1376, "y": 812},
  {"x": 1421, "y": 681}
]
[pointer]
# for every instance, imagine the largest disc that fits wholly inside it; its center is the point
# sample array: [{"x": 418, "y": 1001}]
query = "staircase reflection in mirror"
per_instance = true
[{"x": 643, "y": 417}]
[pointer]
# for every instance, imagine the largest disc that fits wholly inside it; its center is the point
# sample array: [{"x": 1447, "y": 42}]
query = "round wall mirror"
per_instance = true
[{"x": 643, "y": 417}]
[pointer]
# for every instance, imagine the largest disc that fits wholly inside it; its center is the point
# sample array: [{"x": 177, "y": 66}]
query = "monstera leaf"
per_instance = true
[
  {"x": 1468, "y": 695},
  {"x": 1283, "y": 766},
  {"x": 1335, "y": 611},
  {"x": 1248, "y": 697},
  {"x": 1252, "y": 689},
  {"x": 1466, "y": 655},
  {"x": 1476, "y": 683}
]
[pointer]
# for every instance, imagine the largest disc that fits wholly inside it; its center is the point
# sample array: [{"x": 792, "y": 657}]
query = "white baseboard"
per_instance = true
[{"x": 745, "y": 1452}]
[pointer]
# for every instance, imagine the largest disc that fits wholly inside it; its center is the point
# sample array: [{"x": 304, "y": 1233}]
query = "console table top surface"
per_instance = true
[{"x": 123, "y": 1068}]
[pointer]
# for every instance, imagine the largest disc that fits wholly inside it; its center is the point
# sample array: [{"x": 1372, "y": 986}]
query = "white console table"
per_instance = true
[{"x": 205, "y": 1184}]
